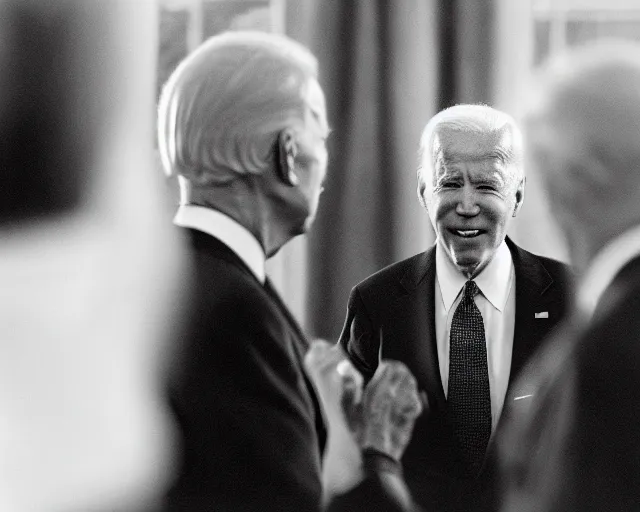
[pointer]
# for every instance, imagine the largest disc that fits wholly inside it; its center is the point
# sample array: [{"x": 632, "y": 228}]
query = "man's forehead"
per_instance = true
[{"x": 453, "y": 145}]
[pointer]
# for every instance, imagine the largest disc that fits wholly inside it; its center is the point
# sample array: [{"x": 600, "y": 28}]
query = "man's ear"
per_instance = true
[
  {"x": 421, "y": 188},
  {"x": 519, "y": 196},
  {"x": 286, "y": 151}
]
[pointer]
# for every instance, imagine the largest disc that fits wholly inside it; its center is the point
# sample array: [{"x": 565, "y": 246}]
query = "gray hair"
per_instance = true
[
  {"x": 466, "y": 118},
  {"x": 221, "y": 110}
]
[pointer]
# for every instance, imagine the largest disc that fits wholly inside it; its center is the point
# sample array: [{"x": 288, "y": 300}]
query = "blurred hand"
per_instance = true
[
  {"x": 335, "y": 378},
  {"x": 336, "y": 382},
  {"x": 390, "y": 406}
]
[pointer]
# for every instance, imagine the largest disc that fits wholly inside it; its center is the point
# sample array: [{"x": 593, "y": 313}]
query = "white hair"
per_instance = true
[
  {"x": 221, "y": 110},
  {"x": 467, "y": 118},
  {"x": 586, "y": 111}
]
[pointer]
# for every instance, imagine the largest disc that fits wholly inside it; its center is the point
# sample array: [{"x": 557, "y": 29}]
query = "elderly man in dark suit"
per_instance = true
[
  {"x": 577, "y": 446},
  {"x": 242, "y": 122},
  {"x": 466, "y": 314}
]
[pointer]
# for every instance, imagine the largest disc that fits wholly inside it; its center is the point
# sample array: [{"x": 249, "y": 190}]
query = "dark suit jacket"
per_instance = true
[
  {"x": 250, "y": 423},
  {"x": 390, "y": 315},
  {"x": 577, "y": 447}
]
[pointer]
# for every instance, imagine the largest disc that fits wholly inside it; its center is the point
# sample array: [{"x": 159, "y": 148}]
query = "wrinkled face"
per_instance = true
[
  {"x": 471, "y": 195},
  {"x": 311, "y": 160}
]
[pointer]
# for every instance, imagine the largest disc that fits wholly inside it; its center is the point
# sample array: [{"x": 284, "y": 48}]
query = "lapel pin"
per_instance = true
[
  {"x": 542, "y": 314},
  {"x": 521, "y": 397}
]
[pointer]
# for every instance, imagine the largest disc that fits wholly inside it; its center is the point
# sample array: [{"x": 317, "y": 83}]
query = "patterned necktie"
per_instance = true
[{"x": 468, "y": 397}]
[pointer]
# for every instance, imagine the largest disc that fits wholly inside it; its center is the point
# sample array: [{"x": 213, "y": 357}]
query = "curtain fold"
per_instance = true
[{"x": 386, "y": 67}]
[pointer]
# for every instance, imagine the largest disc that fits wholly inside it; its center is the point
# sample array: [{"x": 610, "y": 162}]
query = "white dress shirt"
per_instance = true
[
  {"x": 605, "y": 266},
  {"x": 497, "y": 304},
  {"x": 235, "y": 236}
]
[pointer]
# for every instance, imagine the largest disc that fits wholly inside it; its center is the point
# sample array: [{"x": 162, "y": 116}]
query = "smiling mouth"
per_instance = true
[{"x": 467, "y": 233}]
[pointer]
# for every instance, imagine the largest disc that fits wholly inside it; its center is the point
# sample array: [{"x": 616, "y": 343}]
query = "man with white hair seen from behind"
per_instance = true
[
  {"x": 465, "y": 314},
  {"x": 242, "y": 122},
  {"x": 578, "y": 446}
]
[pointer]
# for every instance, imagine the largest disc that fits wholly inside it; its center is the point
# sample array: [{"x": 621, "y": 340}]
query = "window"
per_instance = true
[{"x": 561, "y": 24}]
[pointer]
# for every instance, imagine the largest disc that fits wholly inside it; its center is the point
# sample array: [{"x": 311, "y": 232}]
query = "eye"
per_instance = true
[
  {"x": 491, "y": 188},
  {"x": 450, "y": 184}
]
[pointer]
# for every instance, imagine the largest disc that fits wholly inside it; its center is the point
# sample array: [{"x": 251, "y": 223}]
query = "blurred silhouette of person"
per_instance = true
[
  {"x": 242, "y": 123},
  {"x": 577, "y": 445},
  {"x": 87, "y": 264},
  {"x": 465, "y": 315}
]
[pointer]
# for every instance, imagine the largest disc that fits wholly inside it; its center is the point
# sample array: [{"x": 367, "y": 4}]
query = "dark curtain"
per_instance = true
[{"x": 386, "y": 66}]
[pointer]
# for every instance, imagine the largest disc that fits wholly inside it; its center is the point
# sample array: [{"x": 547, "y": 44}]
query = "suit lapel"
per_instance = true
[
  {"x": 301, "y": 346},
  {"x": 412, "y": 335},
  {"x": 532, "y": 281}
]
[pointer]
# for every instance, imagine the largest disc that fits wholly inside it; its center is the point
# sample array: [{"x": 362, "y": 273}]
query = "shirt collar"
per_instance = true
[
  {"x": 605, "y": 266},
  {"x": 494, "y": 281},
  {"x": 235, "y": 236}
]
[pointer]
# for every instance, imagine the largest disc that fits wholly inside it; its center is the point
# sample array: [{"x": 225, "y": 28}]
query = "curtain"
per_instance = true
[{"x": 386, "y": 67}]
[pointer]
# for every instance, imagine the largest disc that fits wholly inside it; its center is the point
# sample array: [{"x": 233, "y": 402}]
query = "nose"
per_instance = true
[{"x": 467, "y": 203}]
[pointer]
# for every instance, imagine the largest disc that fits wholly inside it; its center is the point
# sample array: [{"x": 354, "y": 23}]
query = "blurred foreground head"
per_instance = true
[
  {"x": 88, "y": 262},
  {"x": 583, "y": 132},
  {"x": 242, "y": 121}
]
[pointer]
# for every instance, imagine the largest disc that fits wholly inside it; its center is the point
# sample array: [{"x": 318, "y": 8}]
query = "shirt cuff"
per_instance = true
[{"x": 374, "y": 462}]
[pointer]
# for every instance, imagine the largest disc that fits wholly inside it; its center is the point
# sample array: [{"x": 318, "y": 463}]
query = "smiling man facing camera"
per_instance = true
[{"x": 466, "y": 314}]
